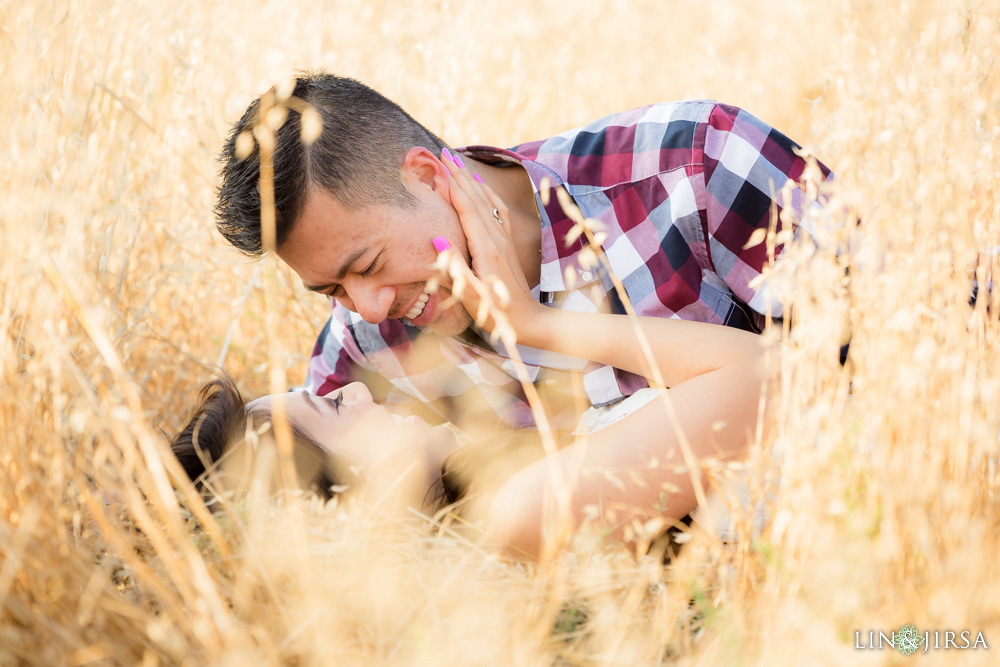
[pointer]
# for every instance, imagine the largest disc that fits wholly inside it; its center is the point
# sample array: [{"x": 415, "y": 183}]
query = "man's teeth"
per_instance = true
[{"x": 418, "y": 307}]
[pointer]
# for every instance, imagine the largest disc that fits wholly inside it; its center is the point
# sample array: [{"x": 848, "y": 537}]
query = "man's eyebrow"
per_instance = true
[{"x": 344, "y": 268}]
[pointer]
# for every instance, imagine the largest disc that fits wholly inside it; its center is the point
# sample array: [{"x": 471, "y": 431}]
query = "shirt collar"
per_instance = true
[{"x": 556, "y": 256}]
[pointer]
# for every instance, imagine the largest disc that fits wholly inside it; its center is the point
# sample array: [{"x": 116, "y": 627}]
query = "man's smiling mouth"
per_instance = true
[{"x": 418, "y": 307}]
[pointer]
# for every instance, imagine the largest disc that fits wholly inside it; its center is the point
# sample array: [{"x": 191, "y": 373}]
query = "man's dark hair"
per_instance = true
[{"x": 356, "y": 158}]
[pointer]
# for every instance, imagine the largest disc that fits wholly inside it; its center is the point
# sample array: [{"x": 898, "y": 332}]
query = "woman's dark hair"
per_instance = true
[
  {"x": 356, "y": 157},
  {"x": 487, "y": 463},
  {"x": 220, "y": 423}
]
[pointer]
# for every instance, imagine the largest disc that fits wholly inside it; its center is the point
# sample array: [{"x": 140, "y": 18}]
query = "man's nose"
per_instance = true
[{"x": 372, "y": 303}]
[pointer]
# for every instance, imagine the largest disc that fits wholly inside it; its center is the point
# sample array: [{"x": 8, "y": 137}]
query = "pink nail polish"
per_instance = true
[
  {"x": 441, "y": 244},
  {"x": 447, "y": 154},
  {"x": 458, "y": 160},
  {"x": 478, "y": 178}
]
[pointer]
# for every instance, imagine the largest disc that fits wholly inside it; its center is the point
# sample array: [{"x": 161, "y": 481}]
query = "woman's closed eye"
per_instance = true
[{"x": 336, "y": 400}]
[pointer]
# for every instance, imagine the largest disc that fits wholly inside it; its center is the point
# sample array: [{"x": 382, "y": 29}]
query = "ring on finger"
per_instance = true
[{"x": 496, "y": 216}]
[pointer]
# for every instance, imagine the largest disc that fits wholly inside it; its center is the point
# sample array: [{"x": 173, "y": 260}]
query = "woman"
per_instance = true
[{"x": 657, "y": 442}]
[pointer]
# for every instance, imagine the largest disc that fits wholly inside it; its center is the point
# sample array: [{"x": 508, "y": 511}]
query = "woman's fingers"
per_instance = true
[
  {"x": 473, "y": 189},
  {"x": 498, "y": 205},
  {"x": 485, "y": 220},
  {"x": 462, "y": 199},
  {"x": 491, "y": 212},
  {"x": 464, "y": 178},
  {"x": 484, "y": 236}
]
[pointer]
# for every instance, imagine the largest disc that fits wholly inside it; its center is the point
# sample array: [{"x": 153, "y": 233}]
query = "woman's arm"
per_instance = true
[
  {"x": 681, "y": 349},
  {"x": 635, "y": 467},
  {"x": 718, "y": 376}
]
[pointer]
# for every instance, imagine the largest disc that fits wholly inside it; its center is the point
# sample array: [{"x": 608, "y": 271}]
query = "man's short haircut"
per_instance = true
[{"x": 356, "y": 158}]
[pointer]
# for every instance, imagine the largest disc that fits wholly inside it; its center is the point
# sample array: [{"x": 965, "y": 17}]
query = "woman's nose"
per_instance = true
[{"x": 356, "y": 392}]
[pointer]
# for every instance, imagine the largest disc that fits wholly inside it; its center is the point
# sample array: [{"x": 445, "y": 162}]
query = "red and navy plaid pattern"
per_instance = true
[{"x": 680, "y": 188}]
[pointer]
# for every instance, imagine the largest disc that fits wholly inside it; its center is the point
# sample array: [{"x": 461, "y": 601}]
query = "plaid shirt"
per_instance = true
[{"x": 679, "y": 187}]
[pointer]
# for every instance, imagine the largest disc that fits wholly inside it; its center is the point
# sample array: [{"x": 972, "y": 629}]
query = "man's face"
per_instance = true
[{"x": 376, "y": 260}]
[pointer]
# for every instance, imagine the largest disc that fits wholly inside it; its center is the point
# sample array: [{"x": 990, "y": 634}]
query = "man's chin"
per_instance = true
[{"x": 451, "y": 322}]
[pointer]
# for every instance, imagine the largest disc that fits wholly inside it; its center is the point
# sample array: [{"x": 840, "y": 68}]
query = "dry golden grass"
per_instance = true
[{"x": 117, "y": 300}]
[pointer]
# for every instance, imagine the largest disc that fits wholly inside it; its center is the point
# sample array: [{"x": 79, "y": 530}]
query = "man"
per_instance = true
[{"x": 679, "y": 188}]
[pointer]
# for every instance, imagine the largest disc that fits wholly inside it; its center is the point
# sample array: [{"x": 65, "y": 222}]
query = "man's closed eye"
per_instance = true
[{"x": 372, "y": 268}]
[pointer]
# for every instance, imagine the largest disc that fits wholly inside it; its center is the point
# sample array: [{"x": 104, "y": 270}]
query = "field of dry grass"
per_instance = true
[{"x": 117, "y": 300}]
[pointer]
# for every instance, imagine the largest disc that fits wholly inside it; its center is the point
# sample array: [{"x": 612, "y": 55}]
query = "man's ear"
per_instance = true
[{"x": 420, "y": 168}]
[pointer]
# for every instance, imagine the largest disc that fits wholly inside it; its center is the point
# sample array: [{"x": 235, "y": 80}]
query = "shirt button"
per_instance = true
[{"x": 586, "y": 275}]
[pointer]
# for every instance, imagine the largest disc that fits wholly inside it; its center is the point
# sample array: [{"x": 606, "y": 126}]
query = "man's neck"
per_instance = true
[{"x": 515, "y": 189}]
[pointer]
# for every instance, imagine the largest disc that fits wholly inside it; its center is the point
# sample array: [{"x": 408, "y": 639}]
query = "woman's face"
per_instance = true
[{"x": 364, "y": 435}]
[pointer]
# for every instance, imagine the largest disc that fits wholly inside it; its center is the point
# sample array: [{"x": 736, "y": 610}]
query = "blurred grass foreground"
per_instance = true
[{"x": 118, "y": 300}]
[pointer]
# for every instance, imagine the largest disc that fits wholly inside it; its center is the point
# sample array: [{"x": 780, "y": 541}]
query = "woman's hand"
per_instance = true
[{"x": 488, "y": 231}]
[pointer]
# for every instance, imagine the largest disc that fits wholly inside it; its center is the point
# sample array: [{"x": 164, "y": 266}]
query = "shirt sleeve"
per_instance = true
[
  {"x": 336, "y": 358},
  {"x": 747, "y": 163}
]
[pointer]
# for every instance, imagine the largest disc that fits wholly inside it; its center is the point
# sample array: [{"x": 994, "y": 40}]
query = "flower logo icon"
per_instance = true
[{"x": 908, "y": 640}]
